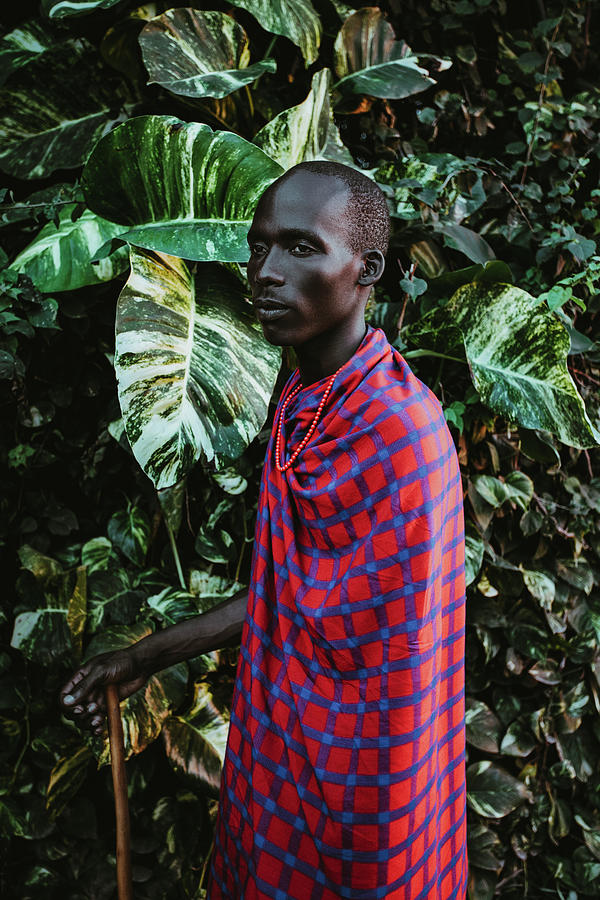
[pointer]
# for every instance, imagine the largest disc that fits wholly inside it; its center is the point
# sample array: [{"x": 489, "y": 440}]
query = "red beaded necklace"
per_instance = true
[{"x": 313, "y": 424}]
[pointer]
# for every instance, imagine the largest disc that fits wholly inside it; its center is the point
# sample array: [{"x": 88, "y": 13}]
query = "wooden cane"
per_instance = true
[{"x": 117, "y": 762}]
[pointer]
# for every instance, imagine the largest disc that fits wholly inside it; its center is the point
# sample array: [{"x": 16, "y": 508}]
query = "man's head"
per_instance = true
[{"x": 317, "y": 245}]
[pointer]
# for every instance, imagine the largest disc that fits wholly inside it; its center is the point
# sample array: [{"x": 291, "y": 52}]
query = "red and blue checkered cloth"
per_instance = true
[{"x": 344, "y": 772}]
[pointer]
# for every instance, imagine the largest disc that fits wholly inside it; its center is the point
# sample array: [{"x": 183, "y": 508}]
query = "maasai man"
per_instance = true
[{"x": 344, "y": 771}]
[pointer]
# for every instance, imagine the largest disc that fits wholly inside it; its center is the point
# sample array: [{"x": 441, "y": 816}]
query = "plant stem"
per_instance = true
[
  {"x": 176, "y": 556},
  {"x": 412, "y": 354}
]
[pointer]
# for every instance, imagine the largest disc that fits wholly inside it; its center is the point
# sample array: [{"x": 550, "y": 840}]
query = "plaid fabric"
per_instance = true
[{"x": 344, "y": 772}]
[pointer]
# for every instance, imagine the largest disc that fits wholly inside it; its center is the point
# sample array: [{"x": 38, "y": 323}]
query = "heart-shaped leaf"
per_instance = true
[
  {"x": 195, "y": 374},
  {"x": 297, "y": 20},
  {"x": 59, "y": 259},
  {"x": 482, "y": 726},
  {"x": 517, "y": 352},
  {"x": 23, "y": 44},
  {"x": 55, "y": 109},
  {"x": 199, "y": 54},
  {"x": 182, "y": 188},
  {"x": 492, "y": 792},
  {"x": 369, "y": 60},
  {"x": 301, "y": 132}
]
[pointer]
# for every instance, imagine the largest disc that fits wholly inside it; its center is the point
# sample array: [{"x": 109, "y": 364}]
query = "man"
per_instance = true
[{"x": 344, "y": 771}]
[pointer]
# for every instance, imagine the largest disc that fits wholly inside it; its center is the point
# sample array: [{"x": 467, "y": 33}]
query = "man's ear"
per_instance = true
[{"x": 373, "y": 264}]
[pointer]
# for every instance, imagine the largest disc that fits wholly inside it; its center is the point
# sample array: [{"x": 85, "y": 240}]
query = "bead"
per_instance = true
[{"x": 309, "y": 433}]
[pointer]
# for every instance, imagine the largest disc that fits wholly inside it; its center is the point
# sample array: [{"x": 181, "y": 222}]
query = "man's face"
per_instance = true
[{"x": 302, "y": 273}]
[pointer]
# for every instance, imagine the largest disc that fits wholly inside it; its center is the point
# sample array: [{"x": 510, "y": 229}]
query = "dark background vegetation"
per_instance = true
[{"x": 520, "y": 108}]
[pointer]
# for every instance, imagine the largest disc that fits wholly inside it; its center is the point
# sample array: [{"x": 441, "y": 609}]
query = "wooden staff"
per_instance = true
[{"x": 117, "y": 762}]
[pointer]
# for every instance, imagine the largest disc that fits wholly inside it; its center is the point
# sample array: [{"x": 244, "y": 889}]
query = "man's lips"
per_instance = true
[{"x": 268, "y": 310}]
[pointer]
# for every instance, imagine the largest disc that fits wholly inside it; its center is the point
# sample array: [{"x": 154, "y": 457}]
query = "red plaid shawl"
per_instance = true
[{"x": 344, "y": 772}]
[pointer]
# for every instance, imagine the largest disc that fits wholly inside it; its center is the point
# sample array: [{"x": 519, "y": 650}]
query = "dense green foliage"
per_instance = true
[{"x": 158, "y": 130}]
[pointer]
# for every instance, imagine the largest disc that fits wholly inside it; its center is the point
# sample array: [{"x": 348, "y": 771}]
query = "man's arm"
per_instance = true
[{"x": 82, "y": 697}]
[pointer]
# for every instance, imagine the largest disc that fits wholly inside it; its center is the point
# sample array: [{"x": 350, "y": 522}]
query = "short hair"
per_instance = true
[{"x": 368, "y": 213}]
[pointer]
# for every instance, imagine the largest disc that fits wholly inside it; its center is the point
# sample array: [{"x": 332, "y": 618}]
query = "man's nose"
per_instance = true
[{"x": 268, "y": 269}]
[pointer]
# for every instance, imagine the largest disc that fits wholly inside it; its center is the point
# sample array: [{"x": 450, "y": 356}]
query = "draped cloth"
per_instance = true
[{"x": 344, "y": 770}]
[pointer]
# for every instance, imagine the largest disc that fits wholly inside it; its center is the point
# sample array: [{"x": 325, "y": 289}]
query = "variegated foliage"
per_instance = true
[
  {"x": 195, "y": 374},
  {"x": 199, "y": 54},
  {"x": 55, "y": 108},
  {"x": 517, "y": 352},
  {"x": 195, "y": 742},
  {"x": 182, "y": 188},
  {"x": 301, "y": 132},
  {"x": 23, "y": 44},
  {"x": 62, "y": 9},
  {"x": 59, "y": 259},
  {"x": 294, "y": 19},
  {"x": 145, "y": 711},
  {"x": 369, "y": 60}
]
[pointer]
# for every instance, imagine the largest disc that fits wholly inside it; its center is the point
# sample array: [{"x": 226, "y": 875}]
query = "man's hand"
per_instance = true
[{"x": 82, "y": 697}]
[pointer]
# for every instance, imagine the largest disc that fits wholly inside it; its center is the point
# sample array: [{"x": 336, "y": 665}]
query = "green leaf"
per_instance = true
[
  {"x": 195, "y": 373},
  {"x": 66, "y": 778},
  {"x": 173, "y": 605},
  {"x": 518, "y": 740},
  {"x": 195, "y": 743},
  {"x": 474, "y": 548},
  {"x": 541, "y": 586},
  {"x": 466, "y": 241},
  {"x": 187, "y": 190},
  {"x": 519, "y": 487},
  {"x": 43, "y": 635},
  {"x": 517, "y": 354},
  {"x": 199, "y": 54},
  {"x": 294, "y": 19},
  {"x": 301, "y": 132},
  {"x": 369, "y": 60},
  {"x": 22, "y": 45},
  {"x": 62, "y": 9},
  {"x": 492, "y": 792},
  {"x": 77, "y": 610},
  {"x": 129, "y": 530},
  {"x": 59, "y": 259},
  {"x": 482, "y": 726},
  {"x": 484, "y": 847},
  {"x": 493, "y": 491},
  {"x": 55, "y": 109}
]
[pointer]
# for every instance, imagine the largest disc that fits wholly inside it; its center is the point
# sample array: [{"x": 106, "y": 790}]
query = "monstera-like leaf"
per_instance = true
[
  {"x": 294, "y": 19},
  {"x": 369, "y": 60},
  {"x": 196, "y": 742},
  {"x": 54, "y": 110},
  {"x": 199, "y": 54},
  {"x": 22, "y": 45},
  {"x": 301, "y": 132},
  {"x": 517, "y": 352},
  {"x": 182, "y": 188},
  {"x": 195, "y": 374},
  {"x": 59, "y": 259},
  {"x": 62, "y": 9}
]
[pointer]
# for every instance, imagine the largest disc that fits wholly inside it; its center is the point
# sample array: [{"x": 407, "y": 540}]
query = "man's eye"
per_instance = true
[
  {"x": 256, "y": 249},
  {"x": 302, "y": 249}
]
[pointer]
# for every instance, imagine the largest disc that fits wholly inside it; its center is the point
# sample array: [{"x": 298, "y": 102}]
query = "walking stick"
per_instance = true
[{"x": 117, "y": 763}]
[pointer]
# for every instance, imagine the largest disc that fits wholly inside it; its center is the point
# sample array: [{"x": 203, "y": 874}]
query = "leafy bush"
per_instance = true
[{"x": 135, "y": 144}]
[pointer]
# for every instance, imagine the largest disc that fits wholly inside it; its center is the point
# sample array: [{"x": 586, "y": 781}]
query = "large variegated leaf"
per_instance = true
[
  {"x": 62, "y": 9},
  {"x": 199, "y": 54},
  {"x": 186, "y": 190},
  {"x": 517, "y": 352},
  {"x": 196, "y": 742},
  {"x": 145, "y": 711},
  {"x": 369, "y": 60},
  {"x": 59, "y": 259},
  {"x": 301, "y": 132},
  {"x": 297, "y": 20},
  {"x": 195, "y": 374},
  {"x": 492, "y": 792},
  {"x": 23, "y": 44},
  {"x": 54, "y": 110}
]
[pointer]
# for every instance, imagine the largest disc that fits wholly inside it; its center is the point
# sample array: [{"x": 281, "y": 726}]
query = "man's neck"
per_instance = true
[{"x": 322, "y": 357}]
